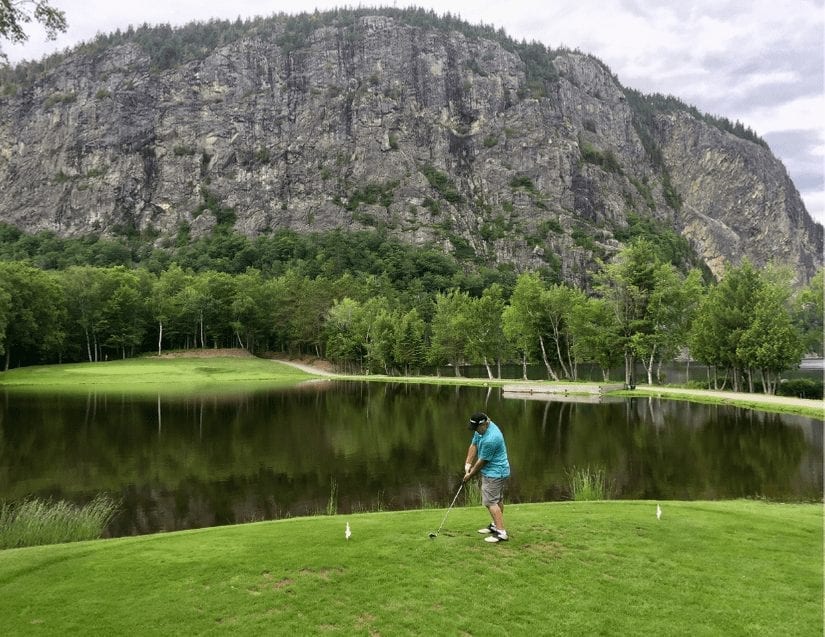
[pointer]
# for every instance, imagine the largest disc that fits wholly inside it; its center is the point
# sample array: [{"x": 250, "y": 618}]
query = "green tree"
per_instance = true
[
  {"x": 724, "y": 316},
  {"x": 409, "y": 341},
  {"x": 84, "y": 303},
  {"x": 251, "y": 310},
  {"x": 528, "y": 322},
  {"x": 518, "y": 321},
  {"x": 771, "y": 343},
  {"x": 344, "y": 336},
  {"x": 36, "y": 315},
  {"x": 486, "y": 340},
  {"x": 670, "y": 310},
  {"x": 215, "y": 291},
  {"x": 307, "y": 305},
  {"x": 450, "y": 328},
  {"x": 596, "y": 335},
  {"x": 381, "y": 338},
  {"x": 5, "y": 311},
  {"x": 559, "y": 303},
  {"x": 122, "y": 317},
  {"x": 626, "y": 285},
  {"x": 167, "y": 303},
  {"x": 809, "y": 312},
  {"x": 16, "y": 13}
]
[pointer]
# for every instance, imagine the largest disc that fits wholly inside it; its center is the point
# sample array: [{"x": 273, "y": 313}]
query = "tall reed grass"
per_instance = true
[
  {"x": 34, "y": 522},
  {"x": 472, "y": 493},
  {"x": 588, "y": 484},
  {"x": 332, "y": 501}
]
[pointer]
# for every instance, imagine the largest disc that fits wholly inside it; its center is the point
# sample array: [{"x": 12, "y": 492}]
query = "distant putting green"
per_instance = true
[
  {"x": 153, "y": 375},
  {"x": 589, "y": 568}
]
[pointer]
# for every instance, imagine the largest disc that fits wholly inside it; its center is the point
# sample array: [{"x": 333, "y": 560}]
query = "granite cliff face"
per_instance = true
[{"x": 429, "y": 133}]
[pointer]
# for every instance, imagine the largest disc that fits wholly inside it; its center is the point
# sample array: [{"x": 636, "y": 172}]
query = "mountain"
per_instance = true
[{"x": 426, "y": 127}]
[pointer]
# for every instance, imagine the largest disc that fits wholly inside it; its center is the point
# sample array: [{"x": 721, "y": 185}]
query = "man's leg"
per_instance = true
[{"x": 498, "y": 515}]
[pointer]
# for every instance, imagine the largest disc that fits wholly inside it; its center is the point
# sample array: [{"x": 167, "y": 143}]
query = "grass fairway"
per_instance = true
[
  {"x": 590, "y": 568},
  {"x": 155, "y": 375}
]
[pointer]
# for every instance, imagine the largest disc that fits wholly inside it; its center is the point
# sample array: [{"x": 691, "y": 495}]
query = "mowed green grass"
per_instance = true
[
  {"x": 152, "y": 375},
  {"x": 575, "y": 568}
]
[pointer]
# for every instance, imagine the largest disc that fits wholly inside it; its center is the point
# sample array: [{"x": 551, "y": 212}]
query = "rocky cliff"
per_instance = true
[{"x": 431, "y": 133}]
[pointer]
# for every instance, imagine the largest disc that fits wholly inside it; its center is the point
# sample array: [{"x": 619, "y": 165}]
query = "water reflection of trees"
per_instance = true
[{"x": 212, "y": 460}]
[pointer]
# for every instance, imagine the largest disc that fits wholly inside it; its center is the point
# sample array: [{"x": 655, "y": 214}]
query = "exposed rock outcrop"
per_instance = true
[{"x": 429, "y": 133}]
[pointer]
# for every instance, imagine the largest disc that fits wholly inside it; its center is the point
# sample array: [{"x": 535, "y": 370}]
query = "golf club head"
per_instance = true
[{"x": 433, "y": 536}]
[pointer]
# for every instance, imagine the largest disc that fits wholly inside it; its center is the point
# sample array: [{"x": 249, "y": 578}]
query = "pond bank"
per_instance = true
[{"x": 764, "y": 402}]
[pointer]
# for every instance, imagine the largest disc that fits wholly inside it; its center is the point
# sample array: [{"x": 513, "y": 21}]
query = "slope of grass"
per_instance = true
[
  {"x": 140, "y": 375},
  {"x": 705, "y": 568}
]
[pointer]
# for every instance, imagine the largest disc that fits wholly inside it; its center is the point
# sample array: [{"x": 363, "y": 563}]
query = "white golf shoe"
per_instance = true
[{"x": 497, "y": 536}]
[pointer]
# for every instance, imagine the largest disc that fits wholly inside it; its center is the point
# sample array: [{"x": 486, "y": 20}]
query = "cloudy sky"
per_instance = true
[{"x": 756, "y": 61}]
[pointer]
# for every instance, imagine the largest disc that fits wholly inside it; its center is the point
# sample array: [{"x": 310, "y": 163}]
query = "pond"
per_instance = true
[{"x": 178, "y": 463}]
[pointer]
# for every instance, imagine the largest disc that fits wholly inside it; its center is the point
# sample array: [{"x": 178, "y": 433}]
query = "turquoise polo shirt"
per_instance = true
[{"x": 491, "y": 448}]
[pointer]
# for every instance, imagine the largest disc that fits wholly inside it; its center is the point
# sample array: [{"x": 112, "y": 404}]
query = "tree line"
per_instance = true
[{"x": 748, "y": 328}]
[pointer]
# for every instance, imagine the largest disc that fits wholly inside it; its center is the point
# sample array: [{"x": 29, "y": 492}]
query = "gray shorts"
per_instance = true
[{"x": 492, "y": 490}]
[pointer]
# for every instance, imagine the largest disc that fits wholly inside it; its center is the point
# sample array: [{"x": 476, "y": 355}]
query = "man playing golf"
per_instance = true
[{"x": 488, "y": 455}]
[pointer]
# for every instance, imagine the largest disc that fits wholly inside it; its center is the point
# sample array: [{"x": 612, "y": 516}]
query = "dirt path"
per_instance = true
[{"x": 308, "y": 367}]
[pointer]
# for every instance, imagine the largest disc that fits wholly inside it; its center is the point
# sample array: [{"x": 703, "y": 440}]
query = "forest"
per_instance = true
[{"x": 372, "y": 304}]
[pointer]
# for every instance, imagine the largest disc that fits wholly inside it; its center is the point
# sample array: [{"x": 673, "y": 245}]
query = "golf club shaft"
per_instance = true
[{"x": 460, "y": 487}]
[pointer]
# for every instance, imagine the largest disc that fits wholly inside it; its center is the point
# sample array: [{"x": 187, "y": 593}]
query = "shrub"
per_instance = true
[
  {"x": 801, "y": 388},
  {"x": 606, "y": 159},
  {"x": 432, "y": 205},
  {"x": 644, "y": 190},
  {"x": 523, "y": 181},
  {"x": 372, "y": 194},
  {"x": 672, "y": 197},
  {"x": 582, "y": 239},
  {"x": 442, "y": 183},
  {"x": 262, "y": 155},
  {"x": 550, "y": 225}
]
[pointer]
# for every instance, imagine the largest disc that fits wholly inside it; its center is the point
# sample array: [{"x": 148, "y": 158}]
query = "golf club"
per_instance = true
[{"x": 435, "y": 535}]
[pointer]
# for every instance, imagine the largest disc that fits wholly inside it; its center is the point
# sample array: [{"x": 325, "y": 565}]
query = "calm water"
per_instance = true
[{"x": 191, "y": 462}]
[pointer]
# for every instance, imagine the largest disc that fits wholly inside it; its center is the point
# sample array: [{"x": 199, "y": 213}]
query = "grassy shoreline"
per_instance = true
[
  {"x": 230, "y": 374},
  {"x": 705, "y": 568},
  {"x": 155, "y": 376}
]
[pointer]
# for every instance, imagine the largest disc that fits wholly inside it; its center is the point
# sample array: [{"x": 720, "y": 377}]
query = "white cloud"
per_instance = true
[
  {"x": 815, "y": 204},
  {"x": 803, "y": 112}
]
